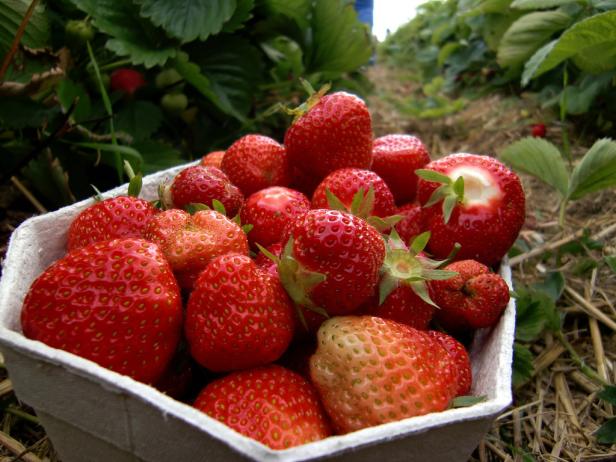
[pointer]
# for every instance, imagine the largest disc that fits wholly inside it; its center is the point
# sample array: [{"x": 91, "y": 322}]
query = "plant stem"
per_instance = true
[
  {"x": 561, "y": 213},
  {"x": 587, "y": 371},
  {"x": 20, "y": 32}
]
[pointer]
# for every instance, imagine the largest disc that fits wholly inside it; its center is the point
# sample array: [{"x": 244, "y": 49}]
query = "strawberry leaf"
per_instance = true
[
  {"x": 608, "y": 394},
  {"x": 449, "y": 204},
  {"x": 195, "y": 207},
  {"x": 421, "y": 290},
  {"x": 523, "y": 368},
  {"x": 219, "y": 207},
  {"x": 431, "y": 175},
  {"x": 356, "y": 203},
  {"x": 247, "y": 228},
  {"x": 420, "y": 242},
  {"x": 268, "y": 254},
  {"x": 333, "y": 202},
  {"x": 438, "y": 275},
  {"x": 386, "y": 287},
  {"x": 596, "y": 171},
  {"x": 439, "y": 194},
  {"x": 367, "y": 204},
  {"x": 607, "y": 432},
  {"x": 394, "y": 241}
]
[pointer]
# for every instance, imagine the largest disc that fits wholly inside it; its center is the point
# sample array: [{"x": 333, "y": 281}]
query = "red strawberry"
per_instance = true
[
  {"x": 460, "y": 358},
  {"x": 213, "y": 159},
  {"x": 369, "y": 371},
  {"x": 402, "y": 305},
  {"x": 331, "y": 260},
  {"x": 269, "y": 210},
  {"x": 122, "y": 216},
  {"x": 473, "y": 299},
  {"x": 190, "y": 242},
  {"x": 113, "y": 302},
  {"x": 126, "y": 80},
  {"x": 395, "y": 159},
  {"x": 238, "y": 316},
  {"x": 199, "y": 184},
  {"x": 538, "y": 130},
  {"x": 265, "y": 262},
  {"x": 410, "y": 225},
  {"x": 473, "y": 200},
  {"x": 335, "y": 132},
  {"x": 255, "y": 162},
  {"x": 346, "y": 182},
  {"x": 270, "y": 404}
]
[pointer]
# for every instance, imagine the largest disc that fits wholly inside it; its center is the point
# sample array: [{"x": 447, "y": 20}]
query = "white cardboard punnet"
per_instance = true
[{"x": 92, "y": 414}]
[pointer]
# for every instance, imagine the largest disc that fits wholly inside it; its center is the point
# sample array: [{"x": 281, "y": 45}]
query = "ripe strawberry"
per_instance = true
[
  {"x": 238, "y": 316},
  {"x": 113, "y": 302},
  {"x": 199, "y": 184},
  {"x": 411, "y": 224},
  {"x": 126, "y": 80},
  {"x": 461, "y": 361},
  {"x": 270, "y": 404},
  {"x": 395, "y": 159},
  {"x": 269, "y": 210},
  {"x": 369, "y": 371},
  {"x": 190, "y": 242},
  {"x": 335, "y": 132},
  {"x": 538, "y": 130},
  {"x": 473, "y": 299},
  {"x": 346, "y": 182},
  {"x": 266, "y": 263},
  {"x": 331, "y": 260},
  {"x": 116, "y": 217},
  {"x": 256, "y": 162},
  {"x": 213, "y": 159},
  {"x": 479, "y": 204},
  {"x": 402, "y": 305}
]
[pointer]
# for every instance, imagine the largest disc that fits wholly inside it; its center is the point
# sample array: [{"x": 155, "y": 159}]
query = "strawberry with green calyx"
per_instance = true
[
  {"x": 189, "y": 242},
  {"x": 395, "y": 159},
  {"x": 369, "y": 371},
  {"x": 474, "y": 200},
  {"x": 330, "y": 132},
  {"x": 405, "y": 291},
  {"x": 213, "y": 159},
  {"x": 473, "y": 299},
  {"x": 271, "y": 404},
  {"x": 269, "y": 210},
  {"x": 255, "y": 162},
  {"x": 238, "y": 315},
  {"x": 116, "y": 217},
  {"x": 113, "y": 302},
  {"x": 461, "y": 361},
  {"x": 331, "y": 260}
]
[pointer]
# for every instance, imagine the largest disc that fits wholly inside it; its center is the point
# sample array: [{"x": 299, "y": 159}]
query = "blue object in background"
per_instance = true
[{"x": 365, "y": 10}]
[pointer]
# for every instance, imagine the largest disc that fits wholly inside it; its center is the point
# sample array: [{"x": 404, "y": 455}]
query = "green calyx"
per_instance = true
[
  {"x": 403, "y": 266},
  {"x": 313, "y": 98},
  {"x": 135, "y": 182},
  {"x": 362, "y": 206},
  {"x": 451, "y": 192},
  {"x": 219, "y": 207}
]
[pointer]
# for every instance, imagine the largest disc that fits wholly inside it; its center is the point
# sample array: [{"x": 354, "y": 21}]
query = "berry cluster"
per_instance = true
[{"x": 293, "y": 291}]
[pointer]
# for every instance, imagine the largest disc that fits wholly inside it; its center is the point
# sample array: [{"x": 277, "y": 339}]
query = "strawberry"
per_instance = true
[
  {"x": 335, "y": 132},
  {"x": 190, "y": 242},
  {"x": 265, "y": 262},
  {"x": 538, "y": 130},
  {"x": 213, "y": 159},
  {"x": 331, "y": 260},
  {"x": 126, "y": 80},
  {"x": 411, "y": 224},
  {"x": 346, "y": 182},
  {"x": 461, "y": 360},
  {"x": 473, "y": 299},
  {"x": 369, "y": 371},
  {"x": 256, "y": 162},
  {"x": 201, "y": 185},
  {"x": 402, "y": 305},
  {"x": 269, "y": 210},
  {"x": 113, "y": 302},
  {"x": 395, "y": 159},
  {"x": 270, "y": 404},
  {"x": 473, "y": 200},
  {"x": 238, "y": 316}
]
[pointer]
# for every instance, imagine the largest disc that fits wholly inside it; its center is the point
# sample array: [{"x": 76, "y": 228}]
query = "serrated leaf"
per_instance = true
[
  {"x": 22, "y": 112},
  {"x": 188, "y": 20},
  {"x": 596, "y": 170},
  {"x": 130, "y": 35},
  {"x": 431, "y": 175},
  {"x": 139, "y": 118},
  {"x": 539, "y": 158},
  {"x": 298, "y": 10},
  {"x": 466, "y": 401},
  {"x": 157, "y": 156},
  {"x": 36, "y": 34},
  {"x": 607, "y": 432},
  {"x": 67, "y": 91},
  {"x": 522, "y": 364},
  {"x": 339, "y": 42},
  {"x": 540, "y": 4},
  {"x": 528, "y": 34},
  {"x": 242, "y": 13},
  {"x": 594, "y": 36}
]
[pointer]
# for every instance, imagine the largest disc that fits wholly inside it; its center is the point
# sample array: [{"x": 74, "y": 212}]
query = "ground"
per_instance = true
[{"x": 555, "y": 414}]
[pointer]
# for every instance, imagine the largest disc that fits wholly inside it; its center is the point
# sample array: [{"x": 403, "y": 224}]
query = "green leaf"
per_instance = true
[
  {"x": 140, "y": 119},
  {"x": 420, "y": 242},
  {"x": 438, "y": 275},
  {"x": 608, "y": 394},
  {"x": 553, "y": 285},
  {"x": 541, "y": 4},
  {"x": 531, "y": 66},
  {"x": 458, "y": 187},
  {"x": 188, "y": 20},
  {"x": 421, "y": 290},
  {"x": 466, "y": 401},
  {"x": 528, "y": 34},
  {"x": 593, "y": 38},
  {"x": 125, "y": 152},
  {"x": 387, "y": 285},
  {"x": 67, "y": 91},
  {"x": 135, "y": 184},
  {"x": 21, "y": 112},
  {"x": 539, "y": 158},
  {"x": 298, "y": 10},
  {"x": 596, "y": 170},
  {"x": 610, "y": 260},
  {"x": 431, "y": 175},
  {"x": 607, "y": 432},
  {"x": 131, "y": 35},
  {"x": 157, "y": 156},
  {"x": 522, "y": 364},
  {"x": 242, "y": 13},
  {"x": 340, "y": 42},
  {"x": 438, "y": 195},
  {"x": 333, "y": 202},
  {"x": 580, "y": 97},
  {"x": 449, "y": 204},
  {"x": 268, "y": 254},
  {"x": 219, "y": 207},
  {"x": 36, "y": 34},
  {"x": 445, "y": 51},
  {"x": 488, "y": 6}
]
